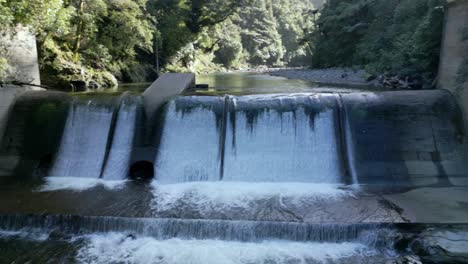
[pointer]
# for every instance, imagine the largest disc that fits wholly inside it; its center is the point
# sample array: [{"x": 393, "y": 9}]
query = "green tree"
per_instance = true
[
  {"x": 260, "y": 35},
  {"x": 396, "y": 36}
]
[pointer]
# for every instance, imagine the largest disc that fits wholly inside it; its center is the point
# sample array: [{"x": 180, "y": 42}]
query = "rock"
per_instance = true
[
  {"x": 332, "y": 76},
  {"x": 93, "y": 85},
  {"x": 406, "y": 260},
  {"x": 400, "y": 83},
  {"x": 78, "y": 86},
  {"x": 369, "y": 77}
]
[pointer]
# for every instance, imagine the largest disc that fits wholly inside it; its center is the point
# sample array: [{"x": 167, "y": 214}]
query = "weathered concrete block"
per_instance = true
[
  {"x": 454, "y": 50},
  {"x": 405, "y": 138},
  {"x": 33, "y": 132},
  {"x": 8, "y": 96},
  {"x": 22, "y": 55},
  {"x": 453, "y": 46},
  {"x": 165, "y": 87}
]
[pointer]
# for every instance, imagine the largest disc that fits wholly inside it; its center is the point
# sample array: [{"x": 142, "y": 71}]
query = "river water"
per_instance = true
[{"x": 256, "y": 169}]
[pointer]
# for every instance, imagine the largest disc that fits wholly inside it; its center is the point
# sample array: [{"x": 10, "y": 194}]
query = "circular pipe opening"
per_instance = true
[
  {"x": 142, "y": 170},
  {"x": 43, "y": 165}
]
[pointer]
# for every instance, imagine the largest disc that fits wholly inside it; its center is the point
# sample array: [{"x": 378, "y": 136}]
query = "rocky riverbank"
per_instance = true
[
  {"x": 332, "y": 76},
  {"x": 346, "y": 77}
]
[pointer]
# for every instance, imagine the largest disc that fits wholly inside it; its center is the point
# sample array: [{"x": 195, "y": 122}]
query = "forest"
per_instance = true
[
  {"x": 102, "y": 42},
  {"x": 397, "y": 37}
]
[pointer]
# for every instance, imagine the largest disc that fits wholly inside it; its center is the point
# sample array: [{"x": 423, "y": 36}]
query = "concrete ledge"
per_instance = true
[
  {"x": 165, "y": 87},
  {"x": 411, "y": 138},
  {"x": 8, "y": 96},
  {"x": 22, "y": 55},
  {"x": 33, "y": 130}
]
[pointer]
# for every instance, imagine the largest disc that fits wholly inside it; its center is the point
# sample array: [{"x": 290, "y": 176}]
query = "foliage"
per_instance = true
[
  {"x": 396, "y": 36},
  {"x": 260, "y": 33},
  {"x": 230, "y": 47},
  {"x": 83, "y": 40},
  {"x": 87, "y": 41},
  {"x": 4, "y": 69}
]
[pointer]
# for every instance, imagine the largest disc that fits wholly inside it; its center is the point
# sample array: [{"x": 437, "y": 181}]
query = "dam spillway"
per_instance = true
[
  {"x": 83, "y": 145},
  {"x": 307, "y": 171},
  {"x": 275, "y": 138},
  {"x": 362, "y": 138},
  {"x": 284, "y": 138},
  {"x": 190, "y": 141},
  {"x": 401, "y": 138}
]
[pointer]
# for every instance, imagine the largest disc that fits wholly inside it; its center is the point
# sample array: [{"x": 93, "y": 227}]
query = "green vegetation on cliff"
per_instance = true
[
  {"x": 253, "y": 33},
  {"x": 83, "y": 41},
  {"x": 396, "y": 36},
  {"x": 95, "y": 42}
]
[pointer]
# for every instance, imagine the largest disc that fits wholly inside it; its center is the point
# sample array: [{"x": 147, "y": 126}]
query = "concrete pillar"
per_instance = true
[
  {"x": 165, "y": 87},
  {"x": 8, "y": 96},
  {"x": 22, "y": 55},
  {"x": 21, "y": 52},
  {"x": 454, "y": 50},
  {"x": 162, "y": 90}
]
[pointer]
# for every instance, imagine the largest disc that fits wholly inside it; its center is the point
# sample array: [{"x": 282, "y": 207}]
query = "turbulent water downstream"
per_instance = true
[{"x": 242, "y": 177}]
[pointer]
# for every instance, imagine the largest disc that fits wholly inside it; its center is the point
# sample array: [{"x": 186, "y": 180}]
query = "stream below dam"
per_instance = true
[{"x": 255, "y": 169}]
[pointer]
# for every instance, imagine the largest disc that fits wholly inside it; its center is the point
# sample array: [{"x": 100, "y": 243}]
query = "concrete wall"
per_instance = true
[
  {"x": 453, "y": 50},
  {"x": 405, "y": 138},
  {"x": 22, "y": 54},
  {"x": 8, "y": 96},
  {"x": 33, "y": 128}
]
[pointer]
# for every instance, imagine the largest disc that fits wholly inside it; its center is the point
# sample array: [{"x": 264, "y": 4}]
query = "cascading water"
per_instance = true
[
  {"x": 118, "y": 161},
  {"x": 190, "y": 141},
  {"x": 283, "y": 138},
  {"x": 84, "y": 141},
  {"x": 176, "y": 241},
  {"x": 246, "y": 231},
  {"x": 231, "y": 157},
  {"x": 278, "y": 138},
  {"x": 238, "y": 179}
]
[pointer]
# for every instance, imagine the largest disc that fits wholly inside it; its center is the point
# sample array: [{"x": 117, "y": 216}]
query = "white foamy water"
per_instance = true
[
  {"x": 240, "y": 194},
  {"x": 282, "y": 138},
  {"x": 35, "y": 235},
  {"x": 117, "y": 165},
  {"x": 84, "y": 141},
  {"x": 119, "y": 248},
  {"x": 189, "y": 143},
  {"x": 283, "y": 147},
  {"x": 78, "y": 184}
]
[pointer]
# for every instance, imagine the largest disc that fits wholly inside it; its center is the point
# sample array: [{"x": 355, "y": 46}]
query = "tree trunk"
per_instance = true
[{"x": 79, "y": 32}]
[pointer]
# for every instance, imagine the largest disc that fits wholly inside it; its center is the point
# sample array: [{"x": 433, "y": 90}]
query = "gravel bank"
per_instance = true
[{"x": 332, "y": 76}]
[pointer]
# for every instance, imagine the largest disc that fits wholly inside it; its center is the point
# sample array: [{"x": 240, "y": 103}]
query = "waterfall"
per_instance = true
[
  {"x": 282, "y": 138},
  {"x": 83, "y": 146},
  {"x": 246, "y": 231},
  {"x": 189, "y": 148},
  {"x": 118, "y": 161},
  {"x": 261, "y": 138}
]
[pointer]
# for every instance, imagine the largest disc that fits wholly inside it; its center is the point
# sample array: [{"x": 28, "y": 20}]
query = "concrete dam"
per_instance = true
[
  {"x": 396, "y": 138},
  {"x": 307, "y": 177}
]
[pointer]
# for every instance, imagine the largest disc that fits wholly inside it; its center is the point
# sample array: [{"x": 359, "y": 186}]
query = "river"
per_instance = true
[{"x": 256, "y": 169}]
